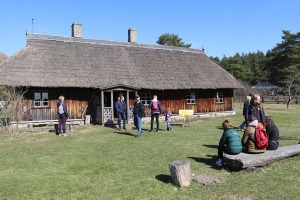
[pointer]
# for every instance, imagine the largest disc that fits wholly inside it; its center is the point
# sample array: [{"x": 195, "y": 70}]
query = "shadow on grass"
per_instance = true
[
  {"x": 210, "y": 161},
  {"x": 164, "y": 178},
  {"x": 124, "y": 133},
  {"x": 211, "y": 146}
]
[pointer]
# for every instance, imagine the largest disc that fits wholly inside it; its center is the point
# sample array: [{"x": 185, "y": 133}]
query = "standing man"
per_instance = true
[
  {"x": 139, "y": 113},
  {"x": 155, "y": 112},
  {"x": 62, "y": 116},
  {"x": 121, "y": 108}
]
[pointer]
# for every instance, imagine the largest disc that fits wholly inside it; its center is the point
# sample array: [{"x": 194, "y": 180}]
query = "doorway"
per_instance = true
[{"x": 116, "y": 95}]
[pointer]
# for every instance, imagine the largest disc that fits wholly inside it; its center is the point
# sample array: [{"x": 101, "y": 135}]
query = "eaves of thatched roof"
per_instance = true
[{"x": 54, "y": 61}]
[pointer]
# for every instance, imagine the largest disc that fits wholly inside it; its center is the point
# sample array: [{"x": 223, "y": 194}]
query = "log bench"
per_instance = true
[{"x": 245, "y": 160}]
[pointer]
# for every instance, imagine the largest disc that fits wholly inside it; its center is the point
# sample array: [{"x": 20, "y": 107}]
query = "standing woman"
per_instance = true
[
  {"x": 256, "y": 109},
  {"x": 62, "y": 116}
]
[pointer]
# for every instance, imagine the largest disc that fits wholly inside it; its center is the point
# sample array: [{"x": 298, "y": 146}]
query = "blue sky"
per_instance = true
[{"x": 221, "y": 27}]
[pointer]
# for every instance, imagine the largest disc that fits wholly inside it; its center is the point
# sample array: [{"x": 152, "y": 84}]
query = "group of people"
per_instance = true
[
  {"x": 139, "y": 113},
  {"x": 255, "y": 118}
]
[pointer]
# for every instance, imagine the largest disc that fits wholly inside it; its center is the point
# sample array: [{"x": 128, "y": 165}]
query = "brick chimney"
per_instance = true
[
  {"x": 77, "y": 30},
  {"x": 132, "y": 35}
]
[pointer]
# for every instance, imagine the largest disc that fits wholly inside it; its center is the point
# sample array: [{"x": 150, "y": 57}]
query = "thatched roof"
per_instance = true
[
  {"x": 54, "y": 61},
  {"x": 2, "y": 57}
]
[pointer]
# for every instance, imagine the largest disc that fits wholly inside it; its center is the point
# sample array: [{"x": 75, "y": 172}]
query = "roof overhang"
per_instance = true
[{"x": 119, "y": 87}]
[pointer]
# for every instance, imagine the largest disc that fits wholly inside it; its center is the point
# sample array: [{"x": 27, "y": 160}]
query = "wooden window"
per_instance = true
[
  {"x": 190, "y": 97},
  {"x": 146, "y": 98},
  {"x": 41, "y": 99},
  {"x": 219, "y": 97}
]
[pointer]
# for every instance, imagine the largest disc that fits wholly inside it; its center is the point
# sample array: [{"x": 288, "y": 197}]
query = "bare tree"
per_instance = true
[
  {"x": 242, "y": 93},
  {"x": 290, "y": 86},
  {"x": 11, "y": 108}
]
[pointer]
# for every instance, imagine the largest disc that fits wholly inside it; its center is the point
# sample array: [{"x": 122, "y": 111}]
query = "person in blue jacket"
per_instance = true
[
  {"x": 121, "y": 108},
  {"x": 155, "y": 108}
]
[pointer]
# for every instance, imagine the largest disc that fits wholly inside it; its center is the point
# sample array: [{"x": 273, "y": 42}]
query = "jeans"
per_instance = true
[
  {"x": 156, "y": 115},
  {"x": 138, "y": 124},
  {"x": 62, "y": 120},
  {"x": 120, "y": 117},
  {"x": 221, "y": 150},
  {"x": 168, "y": 125}
]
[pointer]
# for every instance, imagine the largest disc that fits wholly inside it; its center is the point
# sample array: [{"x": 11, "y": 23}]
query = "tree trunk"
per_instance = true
[
  {"x": 181, "y": 173},
  {"x": 244, "y": 160}
]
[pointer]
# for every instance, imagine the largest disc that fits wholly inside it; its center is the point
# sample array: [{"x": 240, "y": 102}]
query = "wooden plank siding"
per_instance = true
[
  {"x": 205, "y": 100},
  {"x": 82, "y": 101},
  {"x": 76, "y": 99}
]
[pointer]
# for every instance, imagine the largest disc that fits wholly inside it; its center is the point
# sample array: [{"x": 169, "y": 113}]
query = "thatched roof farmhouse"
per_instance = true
[{"x": 92, "y": 73}]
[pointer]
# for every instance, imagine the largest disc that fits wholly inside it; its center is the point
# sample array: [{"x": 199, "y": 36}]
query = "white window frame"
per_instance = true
[
  {"x": 146, "y": 97},
  {"x": 191, "y": 97},
  {"x": 219, "y": 97},
  {"x": 40, "y": 102}
]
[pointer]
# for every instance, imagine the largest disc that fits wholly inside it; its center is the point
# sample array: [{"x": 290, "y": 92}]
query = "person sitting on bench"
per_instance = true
[
  {"x": 248, "y": 139},
  {"x": 273, "y": 134},
  {"x": 230, "y": 142}
]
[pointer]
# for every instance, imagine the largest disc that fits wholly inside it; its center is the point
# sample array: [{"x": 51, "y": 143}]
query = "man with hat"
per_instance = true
[{"x": 138, "y": 113}]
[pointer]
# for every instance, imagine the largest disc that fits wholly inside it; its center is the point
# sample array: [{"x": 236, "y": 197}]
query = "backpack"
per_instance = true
[
  {"x": 155, "y": 105},
  {"x": 261, "y": 138},
  {"x": 61, "y": 109}
]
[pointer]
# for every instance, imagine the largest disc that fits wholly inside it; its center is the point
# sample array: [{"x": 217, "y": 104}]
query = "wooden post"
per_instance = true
[
  {"x": 127, "y": 106},
  {"x": 87, "y": 119},
  {"x": 181, "y": 173},
  {"x": 102, "y": 107}
]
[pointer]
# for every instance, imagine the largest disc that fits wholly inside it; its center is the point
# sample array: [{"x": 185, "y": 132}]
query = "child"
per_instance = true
[{"x": 168, "y": 119}]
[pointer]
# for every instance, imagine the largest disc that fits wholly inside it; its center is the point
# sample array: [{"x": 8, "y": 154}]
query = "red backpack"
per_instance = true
[
  {"x": 155, "y": 105},
  {"x": 261, "y": 138}
]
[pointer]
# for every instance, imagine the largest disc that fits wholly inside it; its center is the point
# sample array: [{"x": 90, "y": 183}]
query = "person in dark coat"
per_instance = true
[
  {"x": 256, "y": 109},
  {"x": 63, "y": 115},
  {"x": 273, "y": 133},
  {"x": 155, "y": 112},
  {"x": 121, "y": 108},
  {"x": 138, "y": 113},
  {"x": 229, "y": 143},
  {"x": 245, "y": 111}
]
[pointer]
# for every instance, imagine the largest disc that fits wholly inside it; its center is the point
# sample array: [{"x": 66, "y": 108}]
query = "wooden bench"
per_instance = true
[
  {"x": 69, "y": 123},
  {"x": 185, "y": 114},
  {"x": 245, "y": 160}
]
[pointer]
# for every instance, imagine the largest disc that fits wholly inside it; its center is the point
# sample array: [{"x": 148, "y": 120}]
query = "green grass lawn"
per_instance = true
[{"x": 103, "y": 163}]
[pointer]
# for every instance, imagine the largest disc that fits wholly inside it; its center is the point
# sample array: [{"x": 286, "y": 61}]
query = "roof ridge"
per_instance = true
[{"x": 35, "y": 36}]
